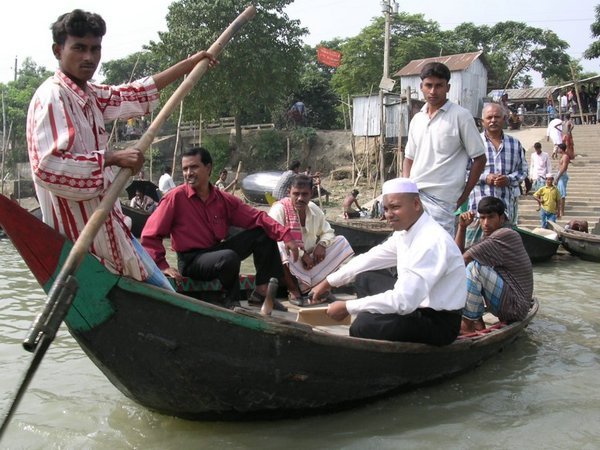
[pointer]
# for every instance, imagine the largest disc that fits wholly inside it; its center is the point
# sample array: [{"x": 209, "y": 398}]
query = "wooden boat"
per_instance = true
[
  {"x": 362, "y": 234},
  {"x": 185, "y": 357},
  {"x": 138, "y": 218},
  {"x": 539, "y": 248},
  {"x": 584, "y": 245}
]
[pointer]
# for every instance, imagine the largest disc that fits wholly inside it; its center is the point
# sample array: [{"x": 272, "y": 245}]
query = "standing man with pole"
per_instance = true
[{"x": 66, "y": 135}]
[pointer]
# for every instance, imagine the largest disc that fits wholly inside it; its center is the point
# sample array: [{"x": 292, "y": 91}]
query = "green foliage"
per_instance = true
[
  {"x": 593, "y": 51},
  {"x": 267, "y": 147},
  {"x": 218, "y": 146},
  {"x": 411, "y": 37},
  {"x": 17, "y": 96},
  {"x": 261, "y": 62},
  {"x": 132, "y": 67},
  {"x": 303, "y": 135}
]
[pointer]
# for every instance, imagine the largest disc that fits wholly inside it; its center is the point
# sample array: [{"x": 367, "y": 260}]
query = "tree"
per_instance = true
[
  {"x": 314, "y": 89},
  {"x": 259, "y": 66},
  {"x": 593, "y": 51},
  {"x": 411, "y": 36},
  {"x": 132, "y": 67},
  {"x": 513, "y": 49},
  {"x": 17, "y": 95}
]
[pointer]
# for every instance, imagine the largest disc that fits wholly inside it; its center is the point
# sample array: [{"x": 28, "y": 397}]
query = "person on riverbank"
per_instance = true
[
  {"x": 165, "y": 182},
  {"x": 562, "y": 178},
  {"x": 197, "y": 217},
  {"x": 220, "y": 183},
  {"x": 442, "y": 139},
  {"x": 321, "y": 251},
  {"x": 499, "y": 271},
  {"x": 540, "y": 166},
  {"x": 414, "y": 306},
  {"x": 506, "y": 166},
  {"x": 282, "y": 188},
  {"x": 567, "y": 136},
  {"x": 142, "y": 201},
  {"x": 554, "y": 133},
  {"x": 66, "y": 135},
  {"x": 548, "y": 199},
  {"x": 349, "y": 200}
]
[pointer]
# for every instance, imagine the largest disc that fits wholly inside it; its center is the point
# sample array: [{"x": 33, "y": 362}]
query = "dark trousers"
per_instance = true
[
  {"x": 223, "y": 261},
  {"x": 425, "y": 325}
]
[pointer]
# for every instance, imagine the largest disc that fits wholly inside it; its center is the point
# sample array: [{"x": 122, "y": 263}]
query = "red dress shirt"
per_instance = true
[{"x": 194, "y": 224}]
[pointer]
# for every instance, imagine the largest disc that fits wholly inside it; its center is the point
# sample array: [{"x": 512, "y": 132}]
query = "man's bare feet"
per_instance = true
[{"x": 468, "y": 326}]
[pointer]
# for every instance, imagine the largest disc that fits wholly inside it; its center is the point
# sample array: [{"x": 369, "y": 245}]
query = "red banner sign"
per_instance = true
[{"x": 329, "y": 57}]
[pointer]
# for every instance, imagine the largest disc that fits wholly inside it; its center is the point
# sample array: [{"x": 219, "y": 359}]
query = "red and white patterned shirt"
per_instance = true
[{"x": 66, "y": 138}]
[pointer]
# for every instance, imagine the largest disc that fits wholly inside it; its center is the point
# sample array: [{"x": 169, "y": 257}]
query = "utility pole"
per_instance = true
[{"x": 386, "y": 85}]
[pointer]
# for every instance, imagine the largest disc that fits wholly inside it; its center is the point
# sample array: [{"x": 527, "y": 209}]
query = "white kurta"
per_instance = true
[
  {"x": 431, "y": 271},
  {"x": 66, "y": 138}
]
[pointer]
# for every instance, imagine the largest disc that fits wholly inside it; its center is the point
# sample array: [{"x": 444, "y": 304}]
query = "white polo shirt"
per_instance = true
[{"x": 441, "y": 148}]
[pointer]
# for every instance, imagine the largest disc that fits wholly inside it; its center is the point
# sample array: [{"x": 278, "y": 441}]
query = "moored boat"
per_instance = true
[
  {"x": 584, "y": 245},
  {"x": 188, "y": 358},
  {"x": 138, "y": 218},
  {"x": 538, "y": 247},
  {"x": 362, "y": 234}
]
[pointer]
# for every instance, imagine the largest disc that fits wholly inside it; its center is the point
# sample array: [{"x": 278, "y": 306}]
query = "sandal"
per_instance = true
[{"x": 298, "y": 301}]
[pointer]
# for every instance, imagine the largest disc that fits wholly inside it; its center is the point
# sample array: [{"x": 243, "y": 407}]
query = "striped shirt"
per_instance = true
[
  {"x": 508, "y": 160},
  {"x": 66, "y": 138},
  {"x": 503, "y": 251}
]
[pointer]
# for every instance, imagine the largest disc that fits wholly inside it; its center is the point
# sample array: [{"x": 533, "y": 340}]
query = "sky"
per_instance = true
[{"x": 25, "y": 31}]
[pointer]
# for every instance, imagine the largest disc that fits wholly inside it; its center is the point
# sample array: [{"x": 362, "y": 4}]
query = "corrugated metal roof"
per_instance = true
[
  {"x": 524, "y": 94},
  {"x": 454, "y": 63}
]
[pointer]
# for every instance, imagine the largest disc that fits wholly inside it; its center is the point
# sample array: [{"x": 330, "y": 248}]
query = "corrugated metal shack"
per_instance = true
[
  {"x": 366, "y": 115},
  {"x": 468, "y": 81}
]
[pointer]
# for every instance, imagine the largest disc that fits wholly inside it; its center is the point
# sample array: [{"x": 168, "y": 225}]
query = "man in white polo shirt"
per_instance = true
[
  {"x": 442, "y": 139},
  {"x": 424, "y": 302}
]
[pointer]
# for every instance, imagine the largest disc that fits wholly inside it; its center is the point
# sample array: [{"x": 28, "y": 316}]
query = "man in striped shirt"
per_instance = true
[
  {"x": 67, "y": 142},
  {"x": 505, "y": 169}
]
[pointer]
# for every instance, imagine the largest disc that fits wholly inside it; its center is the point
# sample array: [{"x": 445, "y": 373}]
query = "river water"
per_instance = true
[{"x": 542, "y": 392}]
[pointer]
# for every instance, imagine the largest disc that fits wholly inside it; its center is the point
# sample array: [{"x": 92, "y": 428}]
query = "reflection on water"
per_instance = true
[{"x": 542, "y": 392}]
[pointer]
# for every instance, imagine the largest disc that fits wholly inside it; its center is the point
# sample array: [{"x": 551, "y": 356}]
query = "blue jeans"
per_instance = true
[{"x": 545, "y": 216}]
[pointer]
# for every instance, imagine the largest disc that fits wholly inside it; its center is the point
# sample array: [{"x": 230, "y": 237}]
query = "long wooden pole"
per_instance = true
[{"x": 64, "y": 288}]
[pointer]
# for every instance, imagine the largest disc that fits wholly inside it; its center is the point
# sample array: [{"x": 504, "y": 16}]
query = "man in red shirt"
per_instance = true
[{"x": 197, "y": 217}]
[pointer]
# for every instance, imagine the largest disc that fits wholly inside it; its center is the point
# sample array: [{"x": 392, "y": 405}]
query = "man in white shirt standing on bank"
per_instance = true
[
  {"x": 424, "y": 303},
  {"x": 442, "y": 139},
  {"x": 165, "y": 182}
]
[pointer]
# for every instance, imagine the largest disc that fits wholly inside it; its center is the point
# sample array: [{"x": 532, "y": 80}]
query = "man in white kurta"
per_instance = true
[
  {"x": 424, "y": 303},
  {"x": 321, "y": 251}
]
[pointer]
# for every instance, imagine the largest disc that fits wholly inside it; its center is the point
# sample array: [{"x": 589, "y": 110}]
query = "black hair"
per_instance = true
[
  {"x": 490, "y": 205},
  {"x": 537, "y": 145},
  {"x": 166, "y": 169},
  {"x": 562, "y": 146},
  {"x": 294, "y": 165},
  {"x": 435, "y": 69},
  {"x": 199, "y": 151},
  {"x": 355, "y": 192},
  {"x": 77, "y": 23},
  {"x": 301, "y": 180}
]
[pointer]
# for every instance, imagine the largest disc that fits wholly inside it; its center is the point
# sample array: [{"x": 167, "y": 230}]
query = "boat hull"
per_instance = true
[
  {"x": 538, "y": 248},
  {"x": 583, "y": 245},
  {"x": 138, "y": 218},
  {"x": 362, "y": 234},
  {"x": 191, "y": 359}
]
